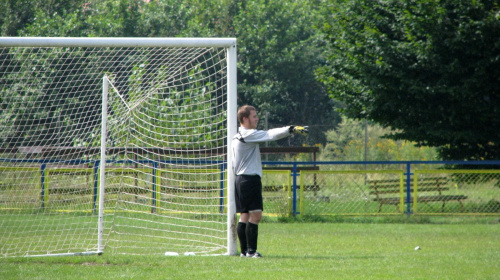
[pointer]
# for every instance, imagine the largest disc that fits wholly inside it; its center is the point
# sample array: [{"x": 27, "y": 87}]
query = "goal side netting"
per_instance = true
[{"x": 116, "y": 145}]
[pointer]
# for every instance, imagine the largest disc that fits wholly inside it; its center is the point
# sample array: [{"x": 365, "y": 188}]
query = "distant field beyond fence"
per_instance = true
[
  {"x": 290, "y": 188},
  {"x": 388, "y": 188}
]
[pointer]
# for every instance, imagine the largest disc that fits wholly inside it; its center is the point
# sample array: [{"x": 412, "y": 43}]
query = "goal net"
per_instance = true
[{"x": 116, "y": 145}]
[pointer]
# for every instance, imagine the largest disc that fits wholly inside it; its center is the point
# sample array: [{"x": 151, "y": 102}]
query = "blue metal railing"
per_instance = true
[
  {"x": 293, "y": 165},
  {"x": 408, "y": 174}
]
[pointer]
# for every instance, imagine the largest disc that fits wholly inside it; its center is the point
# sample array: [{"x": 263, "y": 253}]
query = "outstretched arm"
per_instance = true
[{"x": 274, "y": 134}]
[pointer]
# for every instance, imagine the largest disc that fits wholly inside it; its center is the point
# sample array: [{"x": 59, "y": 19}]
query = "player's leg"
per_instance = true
[
  {"x": 255, "y": 216},
  {"x": 255, "y": 212},
  {"x": 241, "y": 231},
  {"x": 248, "y": 191},
  {"x": 252, "y": 233},
  {"x": 241, "y": 202}
]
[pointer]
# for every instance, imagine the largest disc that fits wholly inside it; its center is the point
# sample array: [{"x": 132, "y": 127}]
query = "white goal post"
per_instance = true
[{"x": 117, "y": 145}]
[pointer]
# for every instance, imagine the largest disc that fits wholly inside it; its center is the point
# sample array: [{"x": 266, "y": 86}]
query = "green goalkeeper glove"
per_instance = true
[{"x": 299, "y": 129}]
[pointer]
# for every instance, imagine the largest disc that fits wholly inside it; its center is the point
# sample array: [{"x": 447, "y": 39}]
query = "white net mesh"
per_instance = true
[{"x": 165, "y": 153}]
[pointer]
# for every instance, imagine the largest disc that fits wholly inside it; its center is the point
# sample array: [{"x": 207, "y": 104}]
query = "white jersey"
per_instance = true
[{"x": 246, "y": 152}]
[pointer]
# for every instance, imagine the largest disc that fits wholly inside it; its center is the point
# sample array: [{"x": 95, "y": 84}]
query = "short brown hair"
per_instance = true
[{"x": 244, "y": 112}]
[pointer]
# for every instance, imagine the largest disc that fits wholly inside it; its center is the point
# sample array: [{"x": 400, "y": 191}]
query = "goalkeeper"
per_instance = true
[{"x": 247, "y": 167}]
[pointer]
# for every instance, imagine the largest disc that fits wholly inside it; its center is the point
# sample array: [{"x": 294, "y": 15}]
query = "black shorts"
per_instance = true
[{"x": 248, "y": 193}]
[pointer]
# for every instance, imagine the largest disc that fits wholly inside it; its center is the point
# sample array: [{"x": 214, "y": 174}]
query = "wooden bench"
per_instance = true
[{"x": 436, "y": 186}]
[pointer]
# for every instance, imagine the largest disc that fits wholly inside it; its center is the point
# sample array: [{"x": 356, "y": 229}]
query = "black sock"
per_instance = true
[
  {"x": 242, "y": 236},
  {"x": 252, "y": 232}
]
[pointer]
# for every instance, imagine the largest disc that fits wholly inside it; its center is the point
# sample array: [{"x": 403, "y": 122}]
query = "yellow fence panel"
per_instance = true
[{"x": 449, "y": 191}]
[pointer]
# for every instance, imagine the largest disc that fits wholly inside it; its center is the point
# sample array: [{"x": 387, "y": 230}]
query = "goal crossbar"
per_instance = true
[{"x": 116, "y": 42}]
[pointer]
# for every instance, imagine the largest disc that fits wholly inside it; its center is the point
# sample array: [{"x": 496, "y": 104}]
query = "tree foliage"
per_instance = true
[
  {"x": 278, "y": 45},
  {"x": 353, "y": 138},
  {"x": 279, "y": 49},
  {"x": 36, "y": 111},
  {"x": 427, "y": 69}
]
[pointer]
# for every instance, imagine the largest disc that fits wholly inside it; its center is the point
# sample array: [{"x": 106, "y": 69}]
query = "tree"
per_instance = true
[
  {"x": 44, "y": 110},
  {"x": 91, "y": 18},
  {"x": 15, "y": 15},
  {"x": 427, "y": 69},
  {"x": 347, "y": 142},
  {"x": 278, "y": 51},
  {"x": 278, "y": 45}
]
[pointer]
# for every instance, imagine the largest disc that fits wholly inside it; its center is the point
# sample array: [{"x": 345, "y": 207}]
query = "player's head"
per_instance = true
[{"x": 247, "y": 116}]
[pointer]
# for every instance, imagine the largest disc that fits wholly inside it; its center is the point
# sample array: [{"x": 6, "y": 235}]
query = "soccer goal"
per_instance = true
[{"x": 116, "y": 145}]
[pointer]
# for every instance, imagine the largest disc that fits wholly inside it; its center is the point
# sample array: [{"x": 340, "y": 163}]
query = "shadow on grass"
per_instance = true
[{"x": 403, "y": 219}]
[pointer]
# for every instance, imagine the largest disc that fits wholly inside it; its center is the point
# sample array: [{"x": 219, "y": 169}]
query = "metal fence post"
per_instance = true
[
  {"x": 96, "y": 186},
  {"x": 408, "y": 188},
  {"x": 222, "y": 184},
  {"x": 42, "y": 184},
  {"x": 154, "y": 194},
  {"x": 294, "y": 188}
]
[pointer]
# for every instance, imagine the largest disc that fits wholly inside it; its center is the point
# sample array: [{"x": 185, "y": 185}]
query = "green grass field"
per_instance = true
[{"x": 350, "y": 250}]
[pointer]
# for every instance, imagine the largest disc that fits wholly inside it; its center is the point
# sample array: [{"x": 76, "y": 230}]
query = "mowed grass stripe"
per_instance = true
[{"x": 304, "y": 251}]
